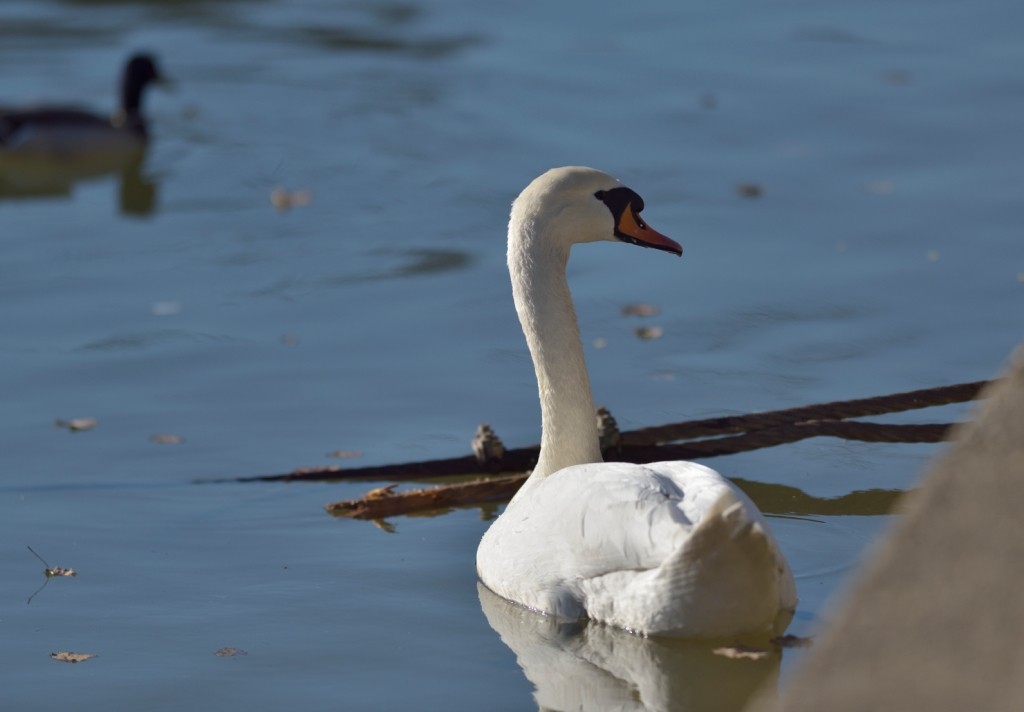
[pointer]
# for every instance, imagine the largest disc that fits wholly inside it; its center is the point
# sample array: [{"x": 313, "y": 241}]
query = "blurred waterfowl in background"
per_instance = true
[
  {"x": 46, "y": 148},
  {"x": 61, "y": 129}
]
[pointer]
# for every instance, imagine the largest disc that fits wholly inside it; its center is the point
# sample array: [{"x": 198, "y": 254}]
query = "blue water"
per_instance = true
[{"x": 884, "y": 254}]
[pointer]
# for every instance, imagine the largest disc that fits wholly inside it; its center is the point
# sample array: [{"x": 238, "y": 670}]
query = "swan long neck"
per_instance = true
[{"x": 537, "y": 266}]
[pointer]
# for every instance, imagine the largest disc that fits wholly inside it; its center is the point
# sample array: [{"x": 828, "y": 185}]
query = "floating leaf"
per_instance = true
[
  {"x": 229, "y": 652},
  {"x": 649, "y": 333},
  {"x": 741, "y": 652},
  {"x": 49, "y": 572},
  {"x": 66, "y": 656},
  {"x": 344, "y": 454},
  {"x": 55, "y": 570},
  {"x": 166, "y": 439},
  {"x": 749, "y": 190},
  {"x": 284, "y": 199},
  {"x": 166, "y": 308},
  {"x": 76, "y": 424},
  {"x": 897, "y": 77},
  {"x": 881, "y": 187},
  {"x": 640, "y": 310}
]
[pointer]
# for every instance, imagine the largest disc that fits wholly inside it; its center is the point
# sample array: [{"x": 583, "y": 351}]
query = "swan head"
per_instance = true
[{"x": 576, "y": 204}]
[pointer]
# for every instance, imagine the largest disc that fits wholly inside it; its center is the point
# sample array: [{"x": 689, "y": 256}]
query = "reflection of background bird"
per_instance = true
[{"x": 589, "y": 666}]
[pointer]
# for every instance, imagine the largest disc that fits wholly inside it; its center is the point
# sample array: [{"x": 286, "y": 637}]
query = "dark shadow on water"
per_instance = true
[
  {"x": 374, "y": 28},
  {"x": 419, "y": 262},
  {"x": 576, "y": 665},
  {"x": 351, "y": 39},
  {"x": 431, "y": 261}
]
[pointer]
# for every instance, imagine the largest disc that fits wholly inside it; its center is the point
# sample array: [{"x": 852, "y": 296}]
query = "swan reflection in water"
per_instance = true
[
  {"x": 580, "y": 665},
  {"x": 36, "y": 176}
]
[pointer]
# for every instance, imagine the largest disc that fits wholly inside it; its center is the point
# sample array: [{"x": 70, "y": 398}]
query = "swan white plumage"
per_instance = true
[{"x": 668, "y": 548}]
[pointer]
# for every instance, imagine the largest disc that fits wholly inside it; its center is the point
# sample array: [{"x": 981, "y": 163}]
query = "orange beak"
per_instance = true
[{"x": 632, "y": 228}]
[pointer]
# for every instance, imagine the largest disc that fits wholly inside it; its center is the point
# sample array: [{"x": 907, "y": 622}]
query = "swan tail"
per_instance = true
[
  {"x": 723, "y": 580},
  {"x": 729, "y": 571}
]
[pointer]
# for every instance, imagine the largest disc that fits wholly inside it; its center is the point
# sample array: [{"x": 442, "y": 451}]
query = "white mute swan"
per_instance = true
[{"x": 669, "y": 548}]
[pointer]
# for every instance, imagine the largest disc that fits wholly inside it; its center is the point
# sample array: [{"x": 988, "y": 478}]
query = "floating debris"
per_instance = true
[
  {"x": 49, "y": 572},
  {"x": 166, "y": 439},
  {"x": 600, "y": 342},
  {"x": 229, "y": 652},
  {"x": 76, "y": 425},
  {"x": 649, "y": 333},
  {"x": 741, "y": 652},
  {"x": 749, "y": 190},
  {"x": 55, "y": 570},
  {"x": 881, "y": 187},
  {"x": 640, "y": 310},
  {"x": 897, "y": 77},
  {"x": 166, "y": 308},
  {"x": 345, "y": 454},
  {"x": 283, "y": 199},
  {"x": 66, "y": 656},
  {"x": 290, "y": 340}
]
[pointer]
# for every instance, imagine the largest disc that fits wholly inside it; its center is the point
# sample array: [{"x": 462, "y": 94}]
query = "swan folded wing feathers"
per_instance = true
[
  {"x": 590, "y": 523},
  {"x": 594, "y": 520}
]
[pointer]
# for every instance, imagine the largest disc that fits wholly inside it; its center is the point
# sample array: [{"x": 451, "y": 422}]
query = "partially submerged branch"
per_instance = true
[
  {"x": 382, "y": 502},
  {"x": 719, "y": 436}
]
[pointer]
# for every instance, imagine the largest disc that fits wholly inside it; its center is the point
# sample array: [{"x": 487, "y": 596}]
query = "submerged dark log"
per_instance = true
[
  {"x": 776, "y": 499},
  {"x": 522, "y": 459},
  {"x": 731, "y": 434}
]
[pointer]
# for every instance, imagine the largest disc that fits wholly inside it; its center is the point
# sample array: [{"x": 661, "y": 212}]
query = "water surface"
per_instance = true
[{"x": 883, "y": 254}]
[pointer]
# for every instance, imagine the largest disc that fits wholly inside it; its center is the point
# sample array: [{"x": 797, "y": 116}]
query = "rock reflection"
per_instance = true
[
  {"x": 585, "y": 666},
  {"x": 39, "y": 176}
]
